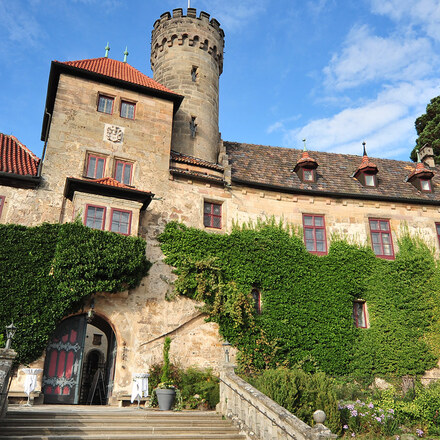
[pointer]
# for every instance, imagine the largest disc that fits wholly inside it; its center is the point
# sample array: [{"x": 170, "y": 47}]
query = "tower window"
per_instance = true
[
  {"x": 193, "y": 126},
  {"x": 2, "y": 202},
  {"x": 123, "y": 172},
  {"x": 127, "y": 110},
  {"x": 105, "y": 104},
  {"x": 95, "y": 166},
  {"x": 194, "y": 73},
  {"x": 212, "y": 215}
]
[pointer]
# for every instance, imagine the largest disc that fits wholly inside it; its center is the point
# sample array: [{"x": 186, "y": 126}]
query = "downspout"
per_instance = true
[{"x": 49, "y": 120}]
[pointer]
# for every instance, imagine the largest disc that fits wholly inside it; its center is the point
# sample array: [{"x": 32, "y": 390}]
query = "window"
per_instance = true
[
  {"x": 314, "y": 234},
  {"x": 120, "y": 221},
  {"x": 381, "y": 238},
  {"x": 95, "y": 167},
  {"x": 425, "y": 185},
  {"x": 2, "y": 202},
  {"x": 105, "y": 104},
  {"x": 127, "y": 110},
  {"x": 308, "y": 175},
  {"x": 194, "y": 74},
  {"x": 123, "y": 172},
  {"x": 359, "y": 314},
  {"x": 212, "y": 215},
  {"x": 370, "y": 180},
  {"x": 256, "y": 295},
  {"x": 95, "y": 217},
  {"x": 437, "y": 228}
]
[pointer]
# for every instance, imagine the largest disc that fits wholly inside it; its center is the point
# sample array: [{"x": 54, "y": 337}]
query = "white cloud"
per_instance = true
[
  {"x": 366, "y": 57},
  {"x": 231, "y": 14},
  {"x": 18, "y": 24},
  {"x": 385, "y": 123},
  {"x": 422, "y": 13}
]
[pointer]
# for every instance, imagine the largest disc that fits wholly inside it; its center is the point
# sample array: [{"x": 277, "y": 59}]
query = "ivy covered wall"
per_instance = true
[
  {"x": 307, "y": 301},
  {"x": 47, "y": 271}
]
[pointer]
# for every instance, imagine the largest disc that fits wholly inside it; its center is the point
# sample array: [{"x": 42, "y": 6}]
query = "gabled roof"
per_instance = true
[
  {"x": 16, "y": 158},
  {"x": 106, "y": 71},
  {"x": 272, "y": 168},
  {"x": 117, "y": 70}
]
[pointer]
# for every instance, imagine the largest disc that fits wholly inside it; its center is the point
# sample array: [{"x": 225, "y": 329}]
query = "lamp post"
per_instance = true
[
  {"x": 10, "y": 333},
  {"x": 226, "y": 346}
]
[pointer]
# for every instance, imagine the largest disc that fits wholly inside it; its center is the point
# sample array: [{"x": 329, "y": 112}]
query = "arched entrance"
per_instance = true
[{"x": 80, "y": 362}]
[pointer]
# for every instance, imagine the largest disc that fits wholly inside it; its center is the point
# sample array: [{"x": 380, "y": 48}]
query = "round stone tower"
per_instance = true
[{"x": 187, "y": 57}]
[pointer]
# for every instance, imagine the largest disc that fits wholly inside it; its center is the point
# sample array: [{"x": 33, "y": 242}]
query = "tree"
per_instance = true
[{"x": 428, "y": 129}]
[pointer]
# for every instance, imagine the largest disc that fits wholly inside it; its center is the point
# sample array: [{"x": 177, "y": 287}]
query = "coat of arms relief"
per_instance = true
[{"x": 113, "y": 133}]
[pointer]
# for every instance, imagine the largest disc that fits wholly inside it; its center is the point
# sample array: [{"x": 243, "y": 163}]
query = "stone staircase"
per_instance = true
[{"x": 106, "y": 423}]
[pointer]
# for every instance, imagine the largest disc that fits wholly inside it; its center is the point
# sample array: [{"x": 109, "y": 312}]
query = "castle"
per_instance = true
[{"x": 127, "y": 153}]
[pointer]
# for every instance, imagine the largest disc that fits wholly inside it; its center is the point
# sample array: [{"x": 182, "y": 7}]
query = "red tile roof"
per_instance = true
[
  {"x": 366, "y": 164},
  {"x": 118, "y": 70},
  {"x": 16, "y": 158},
  {"x": 421, "y": 171},
  {"x": 178, "y": 157},
  {"x": 110, "y": 182},
  {"x": 306, "y": 160}
]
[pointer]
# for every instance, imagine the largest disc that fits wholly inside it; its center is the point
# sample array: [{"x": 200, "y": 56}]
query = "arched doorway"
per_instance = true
[{"x": 80, "y": 362}]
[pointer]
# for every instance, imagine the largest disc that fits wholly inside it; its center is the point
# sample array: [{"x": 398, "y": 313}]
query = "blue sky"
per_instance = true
[{"x": 337, "y": 72}]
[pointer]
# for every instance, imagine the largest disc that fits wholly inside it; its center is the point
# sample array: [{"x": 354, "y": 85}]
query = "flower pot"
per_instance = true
[{"x": 165, "y": 398}]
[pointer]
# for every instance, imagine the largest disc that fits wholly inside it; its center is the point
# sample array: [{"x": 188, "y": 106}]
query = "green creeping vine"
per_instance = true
[
  {"x": 48, "y": 270},
  {"x": 306, "y": 317}
]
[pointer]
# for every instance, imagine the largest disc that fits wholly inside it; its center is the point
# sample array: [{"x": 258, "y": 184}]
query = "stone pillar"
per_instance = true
[{"x": 7, "y": 357}]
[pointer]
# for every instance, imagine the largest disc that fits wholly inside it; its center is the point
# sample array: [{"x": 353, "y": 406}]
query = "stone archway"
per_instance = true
[{"x": 79, "y": 347}]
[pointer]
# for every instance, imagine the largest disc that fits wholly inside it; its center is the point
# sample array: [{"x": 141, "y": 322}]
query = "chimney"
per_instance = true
[{"x": 427, "y": 155}]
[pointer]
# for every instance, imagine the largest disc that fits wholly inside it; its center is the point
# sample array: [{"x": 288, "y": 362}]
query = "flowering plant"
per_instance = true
[{"x": 364, "y": 417}]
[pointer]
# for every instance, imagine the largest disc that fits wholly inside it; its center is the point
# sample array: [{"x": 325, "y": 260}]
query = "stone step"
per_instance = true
[
  {"x": 106, "y": 423},
  {"x": 123, "y": 421}
]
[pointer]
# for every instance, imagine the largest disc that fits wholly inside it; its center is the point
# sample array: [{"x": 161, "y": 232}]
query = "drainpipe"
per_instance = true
[{"x": 49, "y": 120}]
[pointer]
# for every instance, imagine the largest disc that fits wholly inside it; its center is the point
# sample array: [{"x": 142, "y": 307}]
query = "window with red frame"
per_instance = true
[
  {"x": 425, "y": 185},
  {"x": 381, "y": 238},
  {"x": 105, "y": 104},
  {"x": 437, "y": 228},
  {"x": 256, "y": 295},
  {"x": 308, "y": 175},
  {"x": 314, "y": 234},
  {"x": 2, "y": 202},
  {"x": 127, "y": 110},
  {"x": 123, "y": 171},
  {"x": 95, "y": 217},
  {"x": 212, "y": 215},
  {"x": 360, "y": 314},
  {"x": 95, "y": 166},
  {"x": 120, "y": 221}
]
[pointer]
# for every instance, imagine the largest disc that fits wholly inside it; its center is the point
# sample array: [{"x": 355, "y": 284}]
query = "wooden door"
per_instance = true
[{"x": 62, "y": 366}]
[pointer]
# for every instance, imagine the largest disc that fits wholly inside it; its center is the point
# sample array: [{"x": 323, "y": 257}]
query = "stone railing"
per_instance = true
[
  {"x": 7, "y": 357},
  {"x": 259, "y": 417}
]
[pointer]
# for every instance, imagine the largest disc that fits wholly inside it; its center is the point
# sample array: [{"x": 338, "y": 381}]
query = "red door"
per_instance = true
[{"x": 62, "y": 366}]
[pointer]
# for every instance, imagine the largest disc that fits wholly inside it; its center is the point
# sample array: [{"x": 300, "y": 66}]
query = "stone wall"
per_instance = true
[{"x": 6, "y": 359}]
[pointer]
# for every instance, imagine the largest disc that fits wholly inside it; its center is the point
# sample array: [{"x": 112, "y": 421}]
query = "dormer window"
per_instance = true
[
  {"x": 306, "y": 166},
  {"x": 421, "y": 177},
  {"x": 366, "y": 171},
  {"x": 425, "y": 184},
  {"x": 370, "y": 180},
  {"x": 308, "y": 175}
]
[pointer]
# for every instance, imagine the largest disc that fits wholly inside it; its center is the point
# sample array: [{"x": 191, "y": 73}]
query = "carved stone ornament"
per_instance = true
[{"x": 113, "y": 133}]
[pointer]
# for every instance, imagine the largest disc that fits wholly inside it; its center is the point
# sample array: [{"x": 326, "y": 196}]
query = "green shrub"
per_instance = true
[{"x": 301, "y": 393}]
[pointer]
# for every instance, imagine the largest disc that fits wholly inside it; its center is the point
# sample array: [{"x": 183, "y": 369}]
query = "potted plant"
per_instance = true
[{"x": 166, "y": 390}]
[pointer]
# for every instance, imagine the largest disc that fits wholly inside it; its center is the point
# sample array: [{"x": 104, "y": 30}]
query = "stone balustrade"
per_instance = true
[
  {"x": 7, "y": 357},
  {"x": 259, "y": 417}
]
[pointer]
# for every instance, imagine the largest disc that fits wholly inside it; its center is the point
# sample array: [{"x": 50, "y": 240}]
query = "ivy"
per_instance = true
[
  {"x": 308, "y": 300},
  {"x": 47, "y": 271}
]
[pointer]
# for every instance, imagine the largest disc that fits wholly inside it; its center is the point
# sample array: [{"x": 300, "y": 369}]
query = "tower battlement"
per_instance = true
[{"x": 187, "y": 57}]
